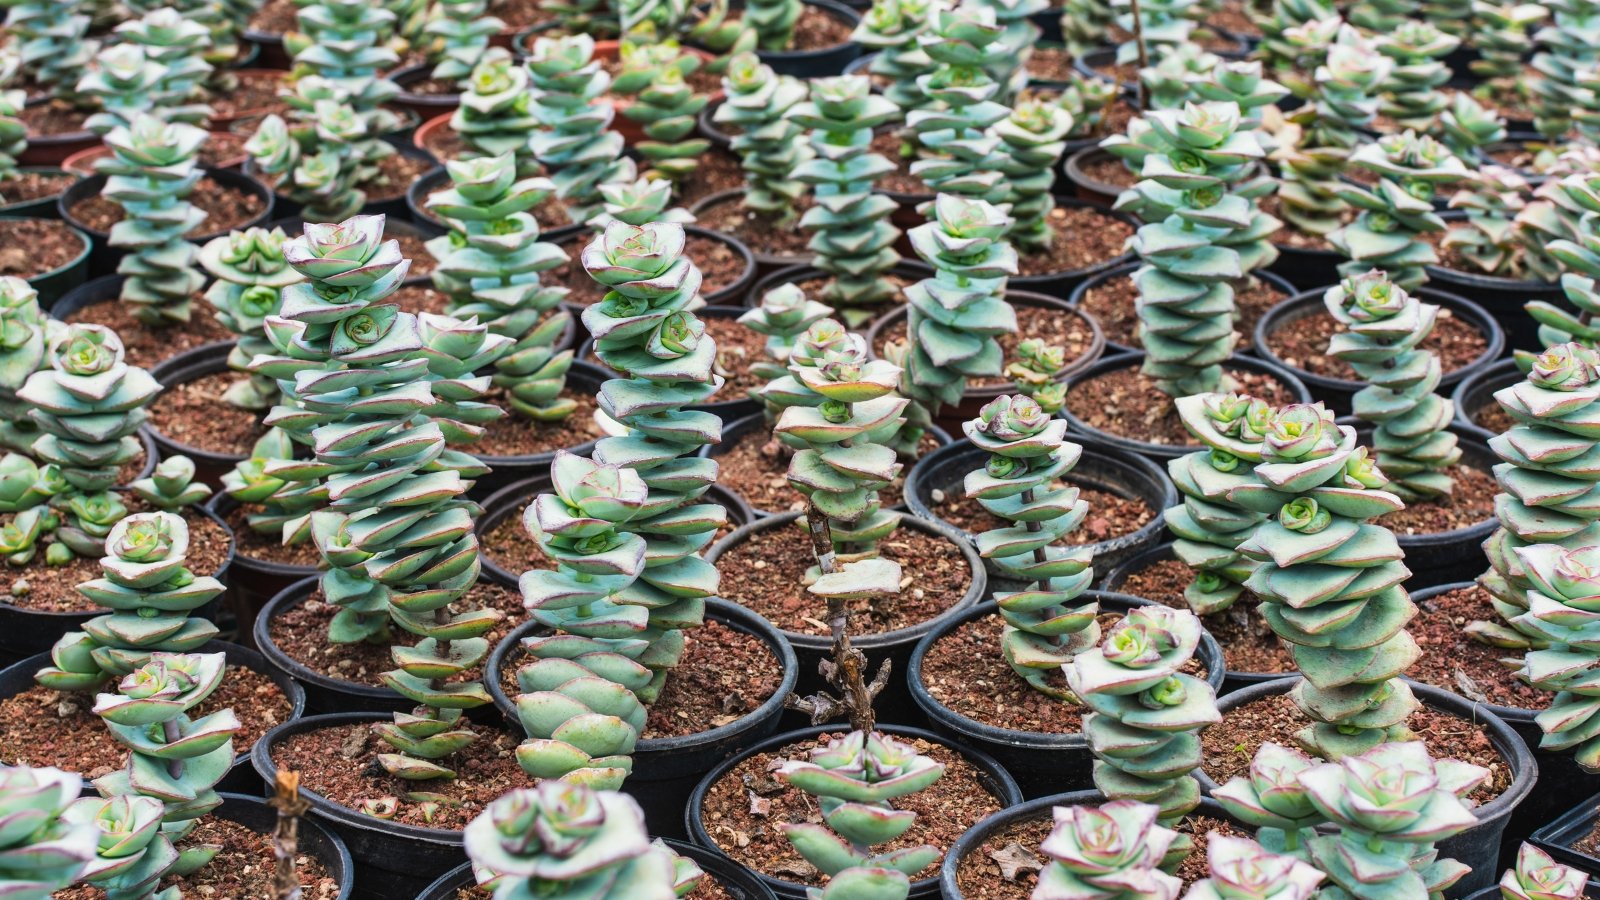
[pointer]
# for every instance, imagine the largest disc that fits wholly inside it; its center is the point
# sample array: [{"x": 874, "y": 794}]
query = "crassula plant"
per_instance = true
[
  {"x": 1035, "y": 372},
  {"x": 855, "y": 779},
  {"x": 635, "y": 199},
  {"x": 495, "y": 114},
  {"x": 123, "y": 85},
  {"x": 39, "y": 852},
  {"x": 1536, "y": 876},
  {"x": 784, "y": 314},
  {"x": 1270, "y": 797},
  {"x": 170, "y": 486},
  {"x": 24, "y": 338},
  {"x": 1115, "y": 851},
  {"x": 1467, "y": 127},
  {"x": 1501, "y": 35},
  {"x": 953, "y": 126},
  {"x": 1383, "y": 328},
  {"x": 176, "y": 43},
  {"x": 573, "y": 140},
  {"x": 1568, "y": 48},
  {"x": 1398, "y": 211},
  {"x": 1238, "y": 868},
  {"x": 1032, "y": 139},
  {"x": 1563, "y": 227},
  {"x": 153, "y": 167},
  {"x": 491, "y": 264},
  {"x": 665, "y": 106},
  {"x": 314, "y": 163},
  {"x": 250, "y": 273},
  {"x": 852, "y": 237},
  {"x": 758, "y": 103},
  {"x": 1023, "y": 483},
  {"x": 1490, "y": 239},
  {"x": 13, "y": 131},
  {"x": 152, "y": 595},
  {"x": 1562, "y": 600},
  {"x": 1162, "y": 27},
  {"x": 889, "y": 30},
  {"x": 1145, "y": 726},
  {"x": 1411, "y": 96},
  {"x": 460, "y": 31},
  {"x": 346, "y": 42},
  {"x": 275, "y": 507},
  {"x": 52, "y": 37}
]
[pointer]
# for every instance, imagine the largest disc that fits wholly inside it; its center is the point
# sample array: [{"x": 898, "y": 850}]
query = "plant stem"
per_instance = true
[
  {"x": 1144, "y": 54},
  {"x": 849, "y": 662},
  {"x": 291, "y": 806}
]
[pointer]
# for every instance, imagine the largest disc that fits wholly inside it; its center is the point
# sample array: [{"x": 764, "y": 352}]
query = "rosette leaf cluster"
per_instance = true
[
  {"x": 153, "y": 168},
  {"x": 784, "y": 314},
  {"x": 171, "y": 486},
  {"x": 315, "y": 163},
  {"x": 890, "y": 30},
  {"x": 40, "y": 853},
  {"x": 1569, "y": 48},
  {"x": 1411, "y": 94},
  {"x": 1023, "y": 483},
  {"x": 1384, "y": 327},
  {"x": 1035, "y": 371},
  {"x": 52, "y": 37},
  {"x": 1467, "y": 127},
  {"x": 178, "y": 44},
  {"x": 773, "y": 21},
  {"x": 1032, "y": 138},
  {"x": 961, "y": 155},
  {"x": 495, "y": 114},
  {"x": 1241, "y": 869},
  {"x": 1113, "y": 851},
  {"x": 491, "y": 264},
  {"x": 347, "y": 43},
  {"x": 1270, "y": 797},
  {"x": 1283, "y": 49},
  {"x": 1567, "y": 219},
  {"x": 123, "y": 86},
  {"x": 1490, "y": 239},
  {"x": 573, "y": 140},
  {"x": 25, "y": 333},
  {"x": 637, "y": 200},
  {"x": 758, "y": 103},
  {"x": 275, "y": 507},
  {"x": 1388, "y": 233},
  {"x": 1537, "y": 875},
  {"x": 1561, "y": 618},
  {"x": 665, "y": 106},
  {"x": 13, "y": 130},
  {"x": 1238, "y": 81},
  {"x": 1145, "y": 726},
  {"x": 251, "y": 273},
  {"x": 852, "y": 237},
  {"x": 330, "y": 119},
  {"x": 460, "y": 31},
  {"x": 1329, "y": 580},
  {"x": 1168, "y": 84},
  {"x": 1166, "y": 26}
]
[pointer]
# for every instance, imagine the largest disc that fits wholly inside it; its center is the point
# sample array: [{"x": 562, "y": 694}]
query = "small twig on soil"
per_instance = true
[
  {"x": 1144, "y": 54},
  {"x": 291, "y": 806}
]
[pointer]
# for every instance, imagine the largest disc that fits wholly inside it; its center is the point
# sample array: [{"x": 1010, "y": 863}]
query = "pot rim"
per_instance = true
[
  {"x": 241, "y": 180},
  {"x": 86, "y": 245},
  {"x": 43, "y": 170},
  {"x": 726, "y": 296},
  {"x": 1093, "y": 281},
  {"x": 221, "y": 504},
  {"x": 1507, "y": 713}
]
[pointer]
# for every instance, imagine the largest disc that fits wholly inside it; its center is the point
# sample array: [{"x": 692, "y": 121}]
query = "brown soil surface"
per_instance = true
[
  {"x": 513, "y": 435},
  {"x": 1492, "y": 418},
  {"x": 1084, "y": 237},
  {"x": 1053, "y": 326},
  {"x": 274, "y": 17},
  {"x": 396, "y": 172},
  {"x": 1050, "y": 64},
  {"x": 53, "y": 117},
  {"x": 431, "y": 87},
  {"x": 944, "y": 810},
  {"x": 147, "y": 345},
  {"x": 1248, "y": 644},
  {"x": 1456, "y": 341},
  {"x": 720, "y": 266},
  {"x": 444, "y": 143},
  {"x": 1125, "y": 403},
  {"x": 1453, "y": 660},
  {"x": 1200, "y": 828},
  {"x": 251, "y": 543},
  {"x": 27, "y": 186},
  {"x": 415, "y": 248},
  {"x": 1230, "y": 745},
  {"x": 1108, "y": 170},
  {"x": 227, "y": 207},
  {"x": 42, "y": 727},
  {"x": 1234, "y": 18},
  {"x": 341, "y": 764},
  {"x": 194, "y": 413},
  {"x": 1111, "y": 302},
  {"x": 255, "y": 94},
  {"x": 718, "y": 171},
  {"x": 33, "y": 247},
  {"x": 817, "y": 288},
  {"x": 756, "y": 468},
  {"x": 1110, "y": 516},
  {"x": 1471, "y": 502},
  {"x": 766, "y": 575},
  {"x": 420, "y": 298},
  {"x": 816, "y": 30},
  {"x": 889, "y": 144},
  {"x": 758, "y": 232},
  {"x": 737, "y": 347}
]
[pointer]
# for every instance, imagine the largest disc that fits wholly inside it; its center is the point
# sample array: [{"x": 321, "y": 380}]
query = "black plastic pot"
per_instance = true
[
  {"x": 1126, "y": 271},
  {"x": 1492, "y": 892},
  {"x": 767, "y": 262},
  {"x": 739, "y": 882},
  {"x": 208, "y": 359},
  {"x": 823, "y": 61},
  {"x": 894, "y": 704},
  {"x": 573, "y": 242},
  {"x": 52, "y": 149},
  {"x": 324, "y": 694},
  {"x": 59, "y": 282},
  {"x": 426, "y": 106},
  {"x": 1042, "y": 763},
  {"x": 1558, "y": 836},
  {"x": 1475, "y": 392},
  {"x": 727, "y": 403},
  {"x": 315, "y": 841},
  {"x": 252, "y": 582},
  {"x": 1306, "y": 267},
  {"x": 1040, "y": 809},
  {"x": 1125, "y": 475},
  {"x": 1503, "y": 298},
  {"x": 1239, "y": 363},
  {"x": 1479, "y": 846},
  {"x": 1090, "y": 190},
  {"x": 1061, "y": 284},
  {"x": 1336, "y": 392},
  {"x": 584, "y": 378},
  {"x": 41, "y": 207},
  {"x": 993, "y": 776},
  {"x": 665, "y": 770},
  {"x": 104, "y": 257},
  {"x": 430, "y": 225},
  {"x": 18, "y": 677},
  {"x": 392, "y": 859}
]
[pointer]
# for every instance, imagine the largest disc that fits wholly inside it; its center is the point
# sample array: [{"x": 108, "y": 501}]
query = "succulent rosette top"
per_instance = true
[
  {"x": 1387, "y": 235},
  {"x": 1536, "y": 876},
  {"x": 40, "y": 853},
  {"x": 1270, "y": 797},
  {"x": 152, "y": 169},
  {"x": 784, "y": 314},
  {"x": 1567, "y": 217},
  {"x": 965, "y": 43},
  {"x": 573, "y": 139},
  {"x": 1113, "y": 851},
  {"x": 1563, "y": 619},
  {"x": 891, "y": 28},
  {"x": 494, "y": 115},
  {"x": 768, "y": 143},
  {"x": 1240, "y": 869},
  {"x": 250, "y": 273}
]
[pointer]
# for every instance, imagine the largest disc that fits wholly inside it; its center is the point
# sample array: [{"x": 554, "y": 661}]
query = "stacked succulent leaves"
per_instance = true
[
  {"x": 1563, "y": 658},
  {"x": 965, "y": 43},
  {"x": 1411, "y": 169},
  {"x": 665, "y": 107},
  {"x": 494, "y": 115},
  {"x": 573, "y": 139},
  {"x": 153, "y": 169},
  {"x": 39, "y": 852},
  {"x": 251, "y": 273},
  {"x": 759, "y": 103}
]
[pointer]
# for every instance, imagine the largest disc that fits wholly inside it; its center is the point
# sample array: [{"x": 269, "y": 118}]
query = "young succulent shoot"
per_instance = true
[
  {"x": 890, "y": 30},
  {"x": 24, "y": 338},
  {"x": 147, "y": 808},
  {"x": 1207, "y": 527},
  {"x": 347, "y": 43},
  {"x": 963, "y": 156},
  {"x": 650, "y": 21},
  {"x": 1384, "y": 327},
  {"x": 855, "y": 779},
  {"x": 461, "y": 30},
  {"x": 773, "y": 21},
  {"x": 322, "y": 177},
  {"x": 1411, "y": 95},
  {"x": 1160, "y": 27},
  {"x": 1567, "y": 52},
  {"x": 171, "y": 486},
  {"x": 177, "y": 44},
  {"x": 1086, "y": 24},
  {"x": 1466, "y": 127},
  {"x": 1086, "y": 100},
  {"x": 785, "y": 313},
  {"x": 495, "y": 114},
  {"x": 1169, "y": 83},
  {"x": 1346, "y": 634},
  {"x": 1500, "y": 34},
  {"x": 592, "y": 17},
  {"x": 123, "y": 86},
  {"x": 1032, "y": 139},
  {"x": 275, "y": 507},
  {"x": 1537, "y": 876},
  {"x": 1242, "y": 82},
  {"x": 562, "y": 839},
  {"x": 1145, "y": 726},
  {"x": 637, "y": 200},
  {"x": 152, "y": 596},
  {"x": 250, "y": 273},
  {"x": 573, "y": 138},
  {"x": 665, "y": 107},
  {"x": 153, "y": 167},
  {"x": 1388, "y": 234},
  {"x": 1241, "y": 869},
  {"x": 1036, "y": 372},
  {"x": 490, "y": 266},
  {"x": 1113, "y": 851},
  {"x": 759, "y": 102},
  {"x": 723, "y": 31},
  {"x": 1282, "y": 50},
  {"x": 88, "y": 406},
  {"x": 1558, "y": 620},
  {"x": 1490, "y": 238},
  {"x": 39, "y": 852},
  {"x": 1270, "y": 798},
  {"x": 52, "y": 37},
  {"x": 1047, "y": 619}
]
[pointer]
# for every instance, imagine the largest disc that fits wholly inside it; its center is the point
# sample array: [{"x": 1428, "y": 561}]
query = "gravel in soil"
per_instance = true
[
  {"x": 1229, "y": 746},
  {"x": 717, "y": 171},
  {"x": 1471, "y": 502},
  {"x": 756, "y": 468},
  {"x": 226, "y": 206},
  {"x": 415, "y": 248},
  {"x": 41, "y": 588},
  {"x": 42, "y": 727},
  {"x": 396, "y": 172},
  {"x": 738, "y": 347},
  {"x": 268, "y": 548},
  {"x": 1083, "y": 237},
  {"x": 195, "y": 414},
  {"x": 1234, "y": 18},
  {"x": 889, "y": 144},
  {"x": 254, "y": 94},
  {"x": 34, "y": 247},
  {"x": 1064, "y": 328},
  {"x": 1050, "y": 64},
  {"x": 444, "y": 142},
  {"x": 1112, "y": 300},
  {"x": 757, "y": 231},
  {"x": 1248, "y": 644},
  {"x": 53, "y": 117},
  {"x": 25, "y": 186},
  {"x": 147, "y": 345},
  {"x": 242, "y": 870},
  {"x": 420, "y": 298},
  {"x": 1109, "y": 170},
  {"x": 509, "y": 545},
  {"x": 721, "y": 266},
  {"x": 513, "y": 435},
  {"x": 817, "y": 30},
  {"x": 1452, "y": 660},
  {"x": 341, "y": 764},
  {"x": 1457, "y": 342},
  {"x": 274, "y": 17},
  {"x": 724, "y": 675},
  {"x": 1128, "y": 404},
  {"x": 744, "y": 808},
  {"x": 302, "y": 634},
  {"x": 1492, "y": 418},
  {"x": 1110, "y": 515},
  {"x": 1200, "y": 829},
  {"x": 766, "y": 574}
]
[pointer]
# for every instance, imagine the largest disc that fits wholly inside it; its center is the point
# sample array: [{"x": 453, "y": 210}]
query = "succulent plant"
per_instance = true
[
  {"x": 1047, "y": 618},
  {"x": 1550, "y": 216},
  {"x": 177, "y": 44},
  {"x": 495, "y": 114},
  {"x": 954, "y": 317},
  {"x": 40, "y": 853},
  {"x": 153, "y": 168},
  {"x": 1145, "y": 726},
  {"x": 1242, "y": 82},
  {"x": 1201, "y": 236},
  {"x": 1208, "y": 527},
  {"x": 1036, "y": 372},
  {"x": 573, "y": 140},
  {"x": 170, "y": 781},
  {"x": 1568, "y": 47},
  {"x": 24, "y": 338},
  {"x": 461, "y": 30},
  {"x": 152, "y": 596},
  {"x": 1466, "y": 127},
  {"x": 962, "y": 155},
  {"x": 1086, "y": 100},
  {"x": 1346, "y": 632},
  {"x": 171, "y": 486},
  {"x": 1384, "y": 327},
  {"x": 1270, "y": 797},
  {"x": 773, "y": 21},
  {"x": 597, "y": 18},
  {"x": 1560, "y": 601},
  {"x": 250, "y": 274},
  {"x": 224, "y": 22},
  {"x": 1112, "y": 851},
  {"x": 123, "y": 86},
  {"x": 456, "y": 352},
  {"x": 759, "y": 102},
  {"x": 1032, "y": 138},
  {"x": 890, "y": 29},
  {"x": 572, "y": 840},
  {"x": 637, "y": 200},
  {"x": 651, "y": 20},
  {"x": 1240, "y": 869},
  {"x": 322, "y": 176},
  {"x": 852, "y": 237},
  {"x": 784, "y": 314},
  {"x": 1168, "y": 83},
  {"x": 1490, "y": 239},
  {"x": 87, "y": 406},
  {"x": 13, "y": 130},
  {"x": 1567, "y": 225},
  {"x": 1411, "y": 94},
  {"x": 1500, "y": 35},
  {"x": 1537, "y": 876},
  {"x": 1286, "y": 55},
  {"x": 1382, "y": 16},
  {"x": 854, "y": 779},
  {"x": 1387, "y": 235},
  {"x": 1391, "y": 805},
  {"x": 346, "y": 43},
  {"x": 52, "y": 36},
  {"x": 665, "y": 106},
  {"x": 274, "y": 507},
  {"x": 1164, "y": 26},
  {"x": 721, "y": 30},
  {"x": 490, "y": 266}
]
